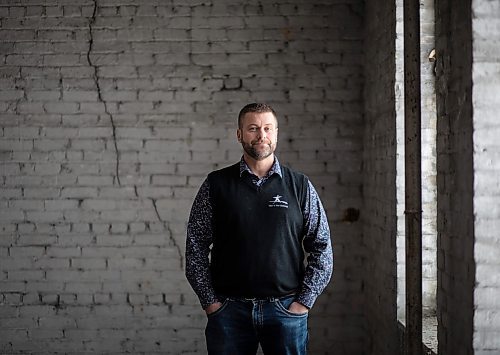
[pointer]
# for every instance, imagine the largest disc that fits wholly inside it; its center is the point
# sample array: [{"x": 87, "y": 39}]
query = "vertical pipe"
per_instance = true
[{"x": 413, "y": 173}]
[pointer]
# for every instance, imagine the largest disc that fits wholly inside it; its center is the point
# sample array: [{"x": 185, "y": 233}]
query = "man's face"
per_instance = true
[{"x": 258, "y": 134}]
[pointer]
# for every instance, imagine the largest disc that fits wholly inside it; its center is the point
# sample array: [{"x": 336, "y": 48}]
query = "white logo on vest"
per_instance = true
[{"x": 277, "y": 202}]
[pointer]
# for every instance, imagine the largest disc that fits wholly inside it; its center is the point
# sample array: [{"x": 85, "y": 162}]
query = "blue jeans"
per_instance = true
[{"x": 239, "y": 325}]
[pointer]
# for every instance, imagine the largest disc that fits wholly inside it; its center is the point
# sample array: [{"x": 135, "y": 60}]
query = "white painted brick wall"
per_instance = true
[
  {"x": 109, "y": 124},
  {"x": 486, "y": 103}
]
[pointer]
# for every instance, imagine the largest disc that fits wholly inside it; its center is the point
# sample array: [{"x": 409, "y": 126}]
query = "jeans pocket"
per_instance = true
[
  {"x": 284, "y": 309},
  {"x": 220, "y": 309}
]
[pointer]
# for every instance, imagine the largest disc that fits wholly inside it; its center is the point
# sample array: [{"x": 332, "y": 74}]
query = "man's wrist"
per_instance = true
[
  {"x": 208, "y": 300},
  {"x": 296, "y": 307},
  {"x": 213, "y": 307},
  {"x": 305, "y": 299}
]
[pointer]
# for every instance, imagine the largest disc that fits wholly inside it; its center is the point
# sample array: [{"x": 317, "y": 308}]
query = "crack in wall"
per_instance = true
[
  {"x": 99, "y": 93},
  {"x": 171, "y": 234}
]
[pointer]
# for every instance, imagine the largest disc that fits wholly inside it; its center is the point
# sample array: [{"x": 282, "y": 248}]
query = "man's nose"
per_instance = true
[{"x": 261, "y": 133}]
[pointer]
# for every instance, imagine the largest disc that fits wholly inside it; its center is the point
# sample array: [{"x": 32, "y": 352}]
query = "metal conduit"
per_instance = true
[{"x": 413, "y": 178}]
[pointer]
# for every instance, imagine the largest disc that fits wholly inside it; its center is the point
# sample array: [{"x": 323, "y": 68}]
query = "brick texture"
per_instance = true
[
  {"x": 429, "y": 159},
  {"x": 428, "y": 156},
  {"x": 379, "y": 177},
  {"x": 486, "y": 86},
  {"x": 384, "y": 171},
  {"x": 455, "y": 177},
  {"x": 112, "y": 113}
]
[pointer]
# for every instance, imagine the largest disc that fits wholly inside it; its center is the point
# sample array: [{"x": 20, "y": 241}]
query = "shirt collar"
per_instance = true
[{"x": 275, "y": 168}]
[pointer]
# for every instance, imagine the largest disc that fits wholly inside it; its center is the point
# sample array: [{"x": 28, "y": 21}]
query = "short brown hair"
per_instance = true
[{"x": 257, "y": 107}]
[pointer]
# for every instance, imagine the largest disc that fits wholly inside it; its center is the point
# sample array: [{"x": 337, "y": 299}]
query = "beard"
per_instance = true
[{"x": 258, "y": 151}]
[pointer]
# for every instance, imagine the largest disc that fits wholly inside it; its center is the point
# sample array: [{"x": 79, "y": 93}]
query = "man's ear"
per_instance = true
[{"x": 238, "y": 134}]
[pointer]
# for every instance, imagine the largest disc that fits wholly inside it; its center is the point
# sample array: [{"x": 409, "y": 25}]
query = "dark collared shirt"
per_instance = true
[{"x": 316, "y": 242}]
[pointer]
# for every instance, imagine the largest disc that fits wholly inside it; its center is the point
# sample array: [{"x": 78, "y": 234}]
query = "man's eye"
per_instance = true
[{"x": 253, "y": 129}]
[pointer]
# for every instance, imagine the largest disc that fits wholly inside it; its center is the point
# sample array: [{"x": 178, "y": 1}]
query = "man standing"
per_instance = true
[{"x": 259, "y": 217}]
